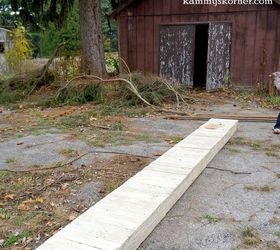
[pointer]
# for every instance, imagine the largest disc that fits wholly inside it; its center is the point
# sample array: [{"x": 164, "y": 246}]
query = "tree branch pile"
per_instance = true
[
  {"x": 135, "y": 88},
  {"x": 37, "y": 77}
]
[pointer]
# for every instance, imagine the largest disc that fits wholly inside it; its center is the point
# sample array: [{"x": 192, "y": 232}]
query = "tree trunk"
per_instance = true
[{"x": 92, "y": 52}]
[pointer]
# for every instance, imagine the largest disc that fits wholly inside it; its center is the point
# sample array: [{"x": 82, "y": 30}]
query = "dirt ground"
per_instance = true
[{"x": 55, "y": 163}]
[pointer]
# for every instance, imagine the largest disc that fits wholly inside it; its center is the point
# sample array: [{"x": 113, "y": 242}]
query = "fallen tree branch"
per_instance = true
[
  {"x": 45, "y": 68},
  {"x": 107, "y": 152},
  {"x": 76, "y": 159},
  {"x": 131, "y": 87},
  {"x": 228, "y": 170},
  {"x": 33, "y": 77},
  {"x": 100, "y": 126}
]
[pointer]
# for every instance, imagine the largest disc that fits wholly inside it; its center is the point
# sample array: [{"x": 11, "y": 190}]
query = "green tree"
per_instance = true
[
  {"x": 56, "y": 12},
  {"x": 17, "y": 55},
  {"x": 7, "y": 15},
  {"x": 68, "y": 32}
]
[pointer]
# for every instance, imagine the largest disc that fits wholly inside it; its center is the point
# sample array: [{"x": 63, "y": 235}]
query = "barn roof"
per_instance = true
[
  {"x": 122, "y": 7},
  {"x": 125, "y": 4},
  {"x": 5, "y": 29}
]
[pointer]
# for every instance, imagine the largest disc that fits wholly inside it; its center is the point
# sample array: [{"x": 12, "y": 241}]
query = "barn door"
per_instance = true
[
  {"x": 219, "y": 49},
  {"x": 177, "y": 53}
]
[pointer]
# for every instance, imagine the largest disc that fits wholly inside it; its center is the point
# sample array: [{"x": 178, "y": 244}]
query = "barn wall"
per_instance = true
[{"x": 256, "y": 35}]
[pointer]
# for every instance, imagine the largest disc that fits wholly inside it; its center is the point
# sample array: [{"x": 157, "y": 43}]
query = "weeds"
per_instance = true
[
  {"x": 270, "y": 153},
  {"x": 212, "y": 218},
  {"x": 250, "y": 237},
  {"x": 261, "y": 98},
  {"x": 174, "y": 139},
  {"x": 241, "y": 141},
  {"x": 250, "y": 188},
  {"x": 4, "y": 214},
  {"x": 10, "y": 161},
  {"x": 263, "y": 189},
  {"x": 255, "y": 146},
  {"x": 274, "y": 220},
  {"x": 273, "y": 101},
  {"x": 118, "y": 126},
  {"x": 4, "y": 173},
  {"x": 116, "y": 138},
  {"x": 234, "y": 150},
  {"x": 277, "y": 234},
  {"x": 14, "y": 238},
  {"x": 75, "y": 121},
  {"x": 69, "y": 152},
  {"x": 8, "y": 95},
  {"x": 111, "y": 186}
]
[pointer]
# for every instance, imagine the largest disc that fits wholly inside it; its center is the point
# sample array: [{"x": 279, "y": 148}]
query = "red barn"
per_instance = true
[{"x": 201, "y": 45}]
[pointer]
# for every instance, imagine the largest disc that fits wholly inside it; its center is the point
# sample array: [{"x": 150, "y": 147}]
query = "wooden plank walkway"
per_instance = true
[{"x": 125, "y": 217}]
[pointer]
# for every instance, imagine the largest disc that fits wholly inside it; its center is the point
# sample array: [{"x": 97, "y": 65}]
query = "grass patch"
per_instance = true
[
  {"x": 271, "y": 153},
  {"x": 118, "y": 126},
  {"x": 265, "y": 188},
  {"x": 75, "y": 121},
  {"x": 4, "y": 173},
  {"x": 250, "y": 188},
  {"x": 274, "y": 220},
  {"x": 4, "y": 214},
  {"x": 116, "y": 138},
  {"x": 262, "y": 98},
  {"x": 212, "y": 218},
  {"x": 236, "y": 141},
  {"x": 58, "y": 164},
  {"x": 277, "y": 234},
  {"x": 69, "y": 152},
  {"x": 11, "y": 161},
  {"x": 241, "y": 141},
  {"x": 255, "y": 146},
  {"x": 14, "y": 238},
  {"x": 250, "y": 237},
  {"x": 111, "y": 185},
  {"x": 234, "y": 150},
  {"x": 8, "y": 95},
  {"x": 273, "y": 101},
  {"x": 175, "y": 139}
]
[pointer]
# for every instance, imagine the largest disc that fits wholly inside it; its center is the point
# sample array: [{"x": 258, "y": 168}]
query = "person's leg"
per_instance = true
[
  {"x": 276, "y": 129},
  {"x": 277, "y": 125}
]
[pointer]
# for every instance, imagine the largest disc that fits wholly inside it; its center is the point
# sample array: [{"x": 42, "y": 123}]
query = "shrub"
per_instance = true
[
  {"x": 81, "y": 94},
  {"x": 112, "y": 63},
  {"x": 20, "y": 51},
  {"x": 151, "y": 87}
]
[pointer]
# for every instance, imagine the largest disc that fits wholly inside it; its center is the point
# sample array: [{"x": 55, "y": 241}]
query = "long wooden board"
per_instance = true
[{"x": 125, "y": 217}]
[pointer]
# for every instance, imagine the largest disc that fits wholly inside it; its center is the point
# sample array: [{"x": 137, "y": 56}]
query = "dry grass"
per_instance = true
[
  {"x": 264, "y": 188},
  {"x": 68, "y": 152},
  {"x": 250, "y": 237},
  {"x": 38, "y": 204}
]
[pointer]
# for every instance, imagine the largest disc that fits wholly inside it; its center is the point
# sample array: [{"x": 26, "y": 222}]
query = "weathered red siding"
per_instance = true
[{"x": 255, "y": 44}]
